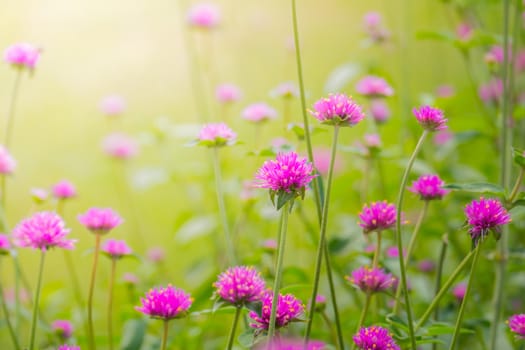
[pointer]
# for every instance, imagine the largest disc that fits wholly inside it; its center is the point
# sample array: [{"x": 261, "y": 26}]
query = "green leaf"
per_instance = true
[
  {"x": 133, "y": 334},
  {"x": 518, "y": 203},
  {"x": 247, "y": 339},
  {"x": 337, "y": 244},
  {"x": 439, "y": 328},
  {"x": 519, "y": 157},
  {"x": 435, "y": 35},
  {"x": 477, "y": 187},
  {"x": 397, "y": 321},
  {"x": 223, "y": 310},
  {"x": 295, "y": 288},
  {"x": 283, "y": 198}
]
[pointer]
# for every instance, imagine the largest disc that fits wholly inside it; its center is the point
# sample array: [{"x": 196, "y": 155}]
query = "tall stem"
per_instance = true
[
  {"x": 439, "y": 275},
  {"x": 11, "y": 109},
  {"x": 231, "y": 338},
  {"x": 399, "y": 207},
  {"x": 377, "y": 252},
  {"x": 164, "y": 343},
  {"x": 37, "y": 299},
  {"x": 76, "y": 285},
  {"x": 110, "y": 302},
  {"x": 459, "y": 320},
  {"x": 10, "y": 327},
  {"x": 91, "y": 335},
  {"x": 517, "y": 185},
  {"x": 278, "y": 269},
  {"x": 222, "y": 208}
]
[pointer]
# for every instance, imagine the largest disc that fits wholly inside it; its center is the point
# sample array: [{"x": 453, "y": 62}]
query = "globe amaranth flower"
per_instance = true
[
  {"x": 430, "y": 118},
  {"x": 68, "y": 347},
  {"x": 291, "y": 344},
  {"x": 228, "y": 93},
  {"x": 374, "y": 338},
  {"x": 216, "y": 135},
  {"x": 130, "y": 279},
  {"x": 113, "y": 105},
  {"x": 485, "y": 215},
  {"x": 337, "y": 109},
  {"x": 378, "y": 216},
  {"x": 22, "y": 55},
  {"x": 428, "y": 187},
  {"x": 459, "y": 291},
  {"x": 64, "y": 190},
  {"x": 320, "y": 303},
  {"x": 156, "y": 254},
  {"x": 372, "y": 86},
  {"x": 7, "y": 162},
  {"x": 289, "y": 308},
  {"x": 259, "y": 112},
  {"x": 240, "y": 285},
  {"x": 322, "y": 160},
  {"x": 517, "y": 325},
  {"x": 62, "y": 328},
  {"x": 100, "y": 220},
  {"x": 121, "y": 146},
  {"x": 116, "y": 249},
  {"x": 492, "y": 91},
  {"x": 379, "y": 111},
  {"x": 371, "y": 280},
  {"x": 204, "y": 16},
  {"x": 286, "y": 90},
  {"x": 165, "y": 303},
  {"x": 43, "y": 230},
  {"x": 5, "y": 244},
  {"x": 426, "y": 266},
  {"x": 374, "y": 27}
]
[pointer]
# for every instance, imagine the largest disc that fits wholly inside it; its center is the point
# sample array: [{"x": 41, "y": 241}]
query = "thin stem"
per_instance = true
[
  {"x": 329, "y": 325},
  {"x": 91, "y": 335},
  {"x": 37, "y": 299},
  {"x": 110, "y": 302},
  {"x": 364, "y": 312},
  {"x": 333, "y": 297},
  {"x": 231, "y": 338},
  {"x": 11, "y": 109},
  {"x": 439, "y": 275},
  {"x": 222, "y": 208},
  {"x": 278, "y": 270},
  {"x": 10, "y": 327},
  {"x": 77, "y": 292},
  {"x": 164, "y": 343},
  {"x": 459, "y": 320},
  {"x": 377, "y": 252},
  {"x": 517, "y": 185}
]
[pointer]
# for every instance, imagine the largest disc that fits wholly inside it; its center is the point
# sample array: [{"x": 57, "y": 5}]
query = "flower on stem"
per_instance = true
[
  {"x": 491, "y": 92},
  {"x": 119, "y": 145},
  {"x": 64, "y": 190},
  {"x": 495, "y": 55},
  {"x": 240, "y": 285},
  {"x": 216, "y": 135},
  {"x": 100, "y": 220},
  {"x": 517, "y": 325},
  {"x": 22, "y": 55},
  {"x": 459, "y": 291},
  {"x": 337, "y": 109},
  {"x": 372, "y": 86},
  {"x": 165, "y": 303},
  {"x": 259, "y": 112},
  {"x": 485, "y": 215},
  {"x": 428, "y": 187},
  {"x": 286, "y": 90},
  {"x": 374, "y": 27},
  {"x": 464, "y": 31},
  {"x": 320, "y": 303},
  {"x": 113, "y": 105},
  {"x": 5, "y": 244},
  {"x": 379, "y": 111},
  {"x": 130, "y": 279},
  {"x": 43, "y": 230},
  {"x": 378, "y": 216},
  {"x": 116, "y": 249},
  {"x": 156, "y": 254},
  {"x": 322, "y": 161},
  {"x": 228, "y": 93},
  {"x": 62, "y": 328},
  {"x": 7, "y": 162},
  {"x": 292, "y": 344},
  {"x": 430, "y": 118},
  {"x": 204, "y": 16},
  {"x": 68, "y": 347},
  {"x": 374, "y": 338},
  {"x": 371, "y": 280},
  {"x": 426, "y": 266},
  {"x": 39, "y": 195},
  {"x": 289, "y": 309}
]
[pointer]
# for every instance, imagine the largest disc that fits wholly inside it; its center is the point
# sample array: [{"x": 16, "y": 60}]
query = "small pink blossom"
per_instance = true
[
  {"x": 517, "y": 325},
  {"x": 379, "y": 111},
  {"x": 64, "y": 189},
  {"x": 39, "y": 195},
  {"x": 428, "y": 187},
  {"x": 459, "y": 291},
  {"x": 485, "y": 215},
  {"x": 464, "y": 31},
  {"x": 426, "y": 266},
  {"x": 270, "y": 245},
  {"x": 442, "y": 137},
  {"x": 392, "y": 252},
  {"x": 378, "y": 216},
  {"x": 116, "y": 249},
  {"x": 113, "y": 105},
  {"x": 373, "y": 25},
  {"x": 240, "y": 285},
  {"x": 289, "y": 308},
  {"x": 372, "y": 86},
  {"x": 322, "y": 161},
  {"x": 120, "y": 146},
  {"x": 372, "y": 141},
  {"x": 445, "y": 91},
  {"x": 130, "y": 278},
  {"x": 204, "y": 15},
  {"x": 165, "y": 303},
  {"x": 5, "y": 244},
  {"x": 430, "y": 118},
  {"x": 7, "y": 162},
  {"x": 43, "y": 230},
  {"x": 228, "y": 93},
  {"x": 337, "y": 109},
  {"x": 286, "y": 90},
  {"x": 370, "y": 280},
  {"x": 492, "y": 91},
  {"x": 259, "y": 112},
  {"x": 374, "y": 338},
  {"x": 320, "y": 303},
  {"x": 100, "y": 220},
  {"x": 495, "y": 55},
  {"x": 156, "y": 254},
  {"x": 216, "y": 135},
  {"x": 63, "y": 328},
  {"x": 22, "y": 55}
]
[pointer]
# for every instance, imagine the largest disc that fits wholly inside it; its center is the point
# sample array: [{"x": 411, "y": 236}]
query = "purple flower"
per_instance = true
[
  {"x": 292, "y": 344},
  {"x": 259, "y": 112},
  {"x": 289, "y": 308},
  {"x": 156, "y": 254},
  {"x": 320, "y": 303},
  {"x": 240, "y": 285},
  {"x": 426, "y": 266},
  {"x": 431, "y": 119},
  {"x": 375, "y": 338},
  {"x": 7, "y": 162},
  {"x": 428, "y": 187},
  {"x": 459, "y": 291},
  {"x": 68, "y": 347},
  {"x": 5, "y": 244},
  {"x": 63, "y": 328},
  {"x": 120, "y": 146},
  {"x": 216, "y": 135},
  {"x": 116, "y": 249},
  {"x": 492, "y": 91},
  {"x": 517, "y": 325},
  {"x": 22, "y": 55},
  {"x": 372, "y": 86},
  {"x": 379, "y": 111},
  {"x": 43, "y": 230},
  {"x": 378, "y": 216},
  {"x": 371, "y": 280},
  {"x": 165, "y": 303},
  {"x": 485, "y": 215},
  {"x": 100, "y": 220},
  {"x": 204, "y": 15},
  {"x": 337, "y": 109},
  {"x": 113, "y": 105},
  {"x": 228, "y": 93},
  {"x": 64, "y": 189}
]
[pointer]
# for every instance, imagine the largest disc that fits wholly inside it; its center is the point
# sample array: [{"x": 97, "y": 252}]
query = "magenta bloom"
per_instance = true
[
  {"x": 492, "y": 91},
  {"x": 496, "y": 54},
  {"x": 43, "y": 230},
  {"x": 22, "y": 55},
  {"x": 68, "y": 347},
  {"x": 379, "y": 111},
  {"x": 240, "y": 285},
  {"x": 517, "y": 325},
  {"x": 116, "y": 249},
  {"x": 375, "y": 338},
  {"x": 156, "y": 254},
  {"x": 165, "y": 303},
  {"x": 371, "y": 280},
  {"x": 426, "y": 266},
  {"x": 430, "y": 118},
  {"x": 373, "y": 24},
  {"x": 216, "y": 135},
  {"x": 259, "y": 112},
  {"x": 100, "y": 220},
  {"x": 464, "y": 31},
  {"x": 64, "y": 189},
  {"x": 378, "y": 216},
  {"x": 485, "y": 215},
  {"x": 320, "y": 302},
  {"x": 5, "y": 244},
  {"x": 372, "y": 86},
  {"x": 292, "y": 344},
  {"x": 286, "y": 90},
  {"x": 459, "y": 291},
  {"x": 289, "y": 308},
  {"x": 204, "y": 16},
  {"x": 428, "y": 187},
  {"x": 113, "y": 105},
  {"x": 120, "y": 146},
  {"x": 228, "y": 93},
  {"x": 63, "y": 328},
  {"x": 7, "y": 162},
  {"x": 337, "y": 109}
]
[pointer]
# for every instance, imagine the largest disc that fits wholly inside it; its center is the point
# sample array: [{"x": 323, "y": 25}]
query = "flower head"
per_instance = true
[
  {"x": 7, "y": 162},
  {"x": 372, "y": 86},
  {"x": 120, "y": 146},
  {"x": 374, "y": 27},
  {"x": 426, "y": 266},
  {"x": 379, "y": 111},
  {"x": 289, "y": 308},
  {"x": 63, "y": 328},
  {"x": 156, "y": 254},
  {"x": 442, "y": 137},
  {"x": 113, "y": 105},
  {"x": 216, "y": 135},
  {"x": 68, "y": 347},
  {"x": 286, "y": 90},
  {"x": 228, "y": 93},
  {"x": 517, "y": 325},
  {"x": 116, "y": 249},
  {"x": 459, "y": 291},
  {"x": 492, "y": 91},
  {"x": 204, "y": 15},
  {"x": 130, "y": 278},
  {"x": 100, "y": 220},
  {"x": 39, "y": 195},
  {"x": 240, "y": 285},
  {"x": 5, "y": 244},
  {"x": 320, "y": 303},
  {"x": 371, "y": 280},
  {"x": 64, "y": 189},
  {"x": 430, "y": 118},
  {"x": 464, "y": 31},
  {"x": 428, "y": 187},
  {"x": 322, "y": 161},
  {"x": 43, "y": 230},
  {"x": 337, "y": 109},
  {"x": 259, "y": 112},
  {"x": 22, "y": 55},
  {"x": 485, "y": 215},
  {"x": 165, "y": 303},
  {"x": 292, "y": 344},
  {"x": 378, "y": 216},
  {"x": 374, "y": 338}
]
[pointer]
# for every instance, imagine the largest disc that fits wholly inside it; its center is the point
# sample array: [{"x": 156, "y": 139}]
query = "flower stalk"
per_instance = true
[{"x": 37, "y": 299}]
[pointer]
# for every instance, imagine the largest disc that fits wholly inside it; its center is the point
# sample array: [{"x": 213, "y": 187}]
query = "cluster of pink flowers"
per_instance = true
[
  {"x": 120, "y": 145},
  {"x": 228, "y": 93},
  {"x": 216, "y": 135},
  {"x": 43, "y": 230},
  {"x": 485, "y": 215},
  {"x": 378, "y": 216},
  {"x": 204, "y": 15},
  {"x": 517, "y": 325},
  {"x": 100, "y": 220},
  {"x": 259, "y": 112},
  {"x": 289, "y": 308},
  {"x": 165, "y": 303},
  {"x": 428, "y": 187},
  {"x": 116, "y": 249},
  {"x": 376, "y": 338},
  {"x": 372, "y": 86},
  {"x": 22, "y": 55},
  {"x": 240, "y": 285},
  {"x": 337, "y": 109},
  {"x": 7, "y": 162},
  {"x": 371, "y": 280},
  {"x": 430, "y": 118}
]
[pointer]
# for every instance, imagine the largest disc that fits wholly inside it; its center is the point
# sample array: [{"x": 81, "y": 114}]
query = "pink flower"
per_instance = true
[
  {"x": 22, "y": 55},
  {"x": 379, "y": 111},
  {"x": 116, "y": 249},
  {"x": 259, "y": 112},
  {"x": 320, "y": 302},
  {"x": 39, "y": 195},
  {"x": 120, "y": 146},
  {"x": 289, "y": 308},
  {"x": 464, "y": 31},
  {"x": 442, "y": 137},
  {"x": 216, "y": 135},
  {"x": 204, "y": 15},
  {"x": 520, "y": 61},
  {"x": 5, "y": 244},
  {"x": 240, "y": 285},
  {"x": 431, "y": 119},
  {"x": 517, "y": 325},
  {"x": 113, "y": 105},
  {"x": 495, "y": 55},
  {"x": 291, "y": 344},
  {"x": 100, "y": 220},
  {"x": 228, "y": 93},
  {"x": 428, "y": 187},
  {"x": 64, "y": 189},
  {"x": 322, "y": 161},
  {"x": 165, "y": 303},
  {"x": 43, "y": 230},
  {"x": 286, "y": 90},
  {"x": 375, "y": 338},
  {"x": 426, "y": 265},
  {"x": 372, "y": 141},
  {"x": 445, "y": 91},
  {"x": 7, "y": 162},
  {"x": 492, "y": 91},
  {"x": 63, "y": 328},
  {"x": 270, "y": 245},
  {"x": 378, "y": 216},
  {"x": 337, "y": 109},
  {"x": 156, "y": 254},
  {"x": 459, "y": 291},
  {"x": 485, "y": 215},
  {"x": 374, "y": 27},
  {"x": 68, "y": 347},
  {"x": 130, "y": 278},
  {"x": 371, "y": 280},
  {"x": 372, "y": 86},
  {"x": 393, "y": 252}
]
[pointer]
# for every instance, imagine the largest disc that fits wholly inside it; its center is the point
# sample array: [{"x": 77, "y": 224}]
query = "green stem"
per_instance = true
[
  {"x": 11, "y": 109},
  {"x": 399, "y": 207},
  {"x": 377, "y": 251},
  {"x": 10, "y": 327},
  {"x": 76, "y": 285},
  {"x": 439, "y": 275},
  {"x": 231, "y": 338},
  {"x": 330, "y": 326},
  {"x": 163, "y": 345},
  {"x": 37, "y": 299},
  {"x": 459, "y": 320},
  {"x": 110, "y": 302},
  {"x": 517, "y": 185},
  {"x": 91, "y": 335},
  {"x": 222, "y": 208},
  {"x": 278, "y": 269},
  {"x": 364, "y": 312}
]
